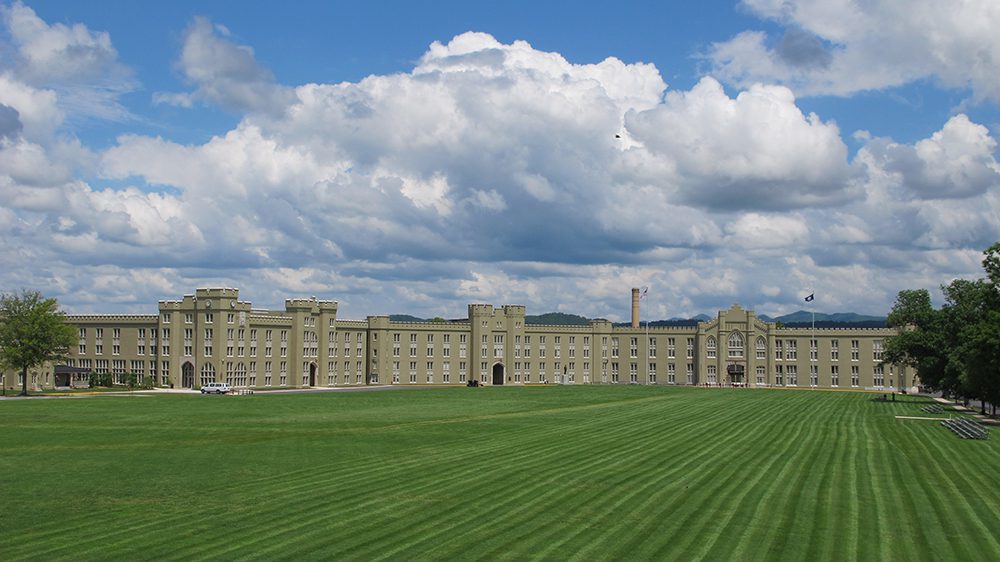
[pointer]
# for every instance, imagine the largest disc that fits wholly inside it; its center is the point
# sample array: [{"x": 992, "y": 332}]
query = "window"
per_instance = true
[
  {"x": 671, "y": 373},
  {"x": 652, "y": 348},
  {"x": 671, "y": 348},
  {"x": 793, "y": 375},
  {"x": 813, "y": 350},
  {"x": 855, "y": 350},
  {"x": 710, "y": 348},
  {"x": 713, "y": 376},
  {"x": 779, "y": 350},
  {"x": 855, "y": 376},
  {"x": 735, "y": 344},
  {"x": 834, "y": 350},
  {"x": 690, "y": 348},
  {"x": 761, "y": 348},
  {"x": 779, "y": 375},
  {"x": 813, "y": 375},
  {"x": 760, "y": 375},
  {"x": 877, "y": 350},
  {"x": 834, "y": 376},
  {"x": 791, "y": 351},
  {"x": 207, "y": 374}
]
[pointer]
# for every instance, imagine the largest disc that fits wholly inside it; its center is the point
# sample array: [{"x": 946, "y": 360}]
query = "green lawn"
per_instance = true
[{"x": 583, "y": 473}]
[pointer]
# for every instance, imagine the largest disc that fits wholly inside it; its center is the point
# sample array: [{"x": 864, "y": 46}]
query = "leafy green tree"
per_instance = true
[
  {"x": 991, "y": 264},
  {"x": 32, "y": 331},
  {"x": 922, "y": 343},
  {"x": 955, "y": 349}
]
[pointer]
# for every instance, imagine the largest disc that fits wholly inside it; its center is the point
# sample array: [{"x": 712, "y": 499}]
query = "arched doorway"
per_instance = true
[
  {"x": 312, "y": 374},
  {"x": 498, "y": 374},
  {"x": 187, "y": 375},
  {"x": 737, "y": 374}
]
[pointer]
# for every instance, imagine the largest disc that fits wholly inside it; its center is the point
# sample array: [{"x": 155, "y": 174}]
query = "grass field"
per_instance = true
[{"x": 498, "y": 473}]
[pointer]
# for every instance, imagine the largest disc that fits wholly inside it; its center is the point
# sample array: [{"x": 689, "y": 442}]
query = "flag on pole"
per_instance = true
[
  {"x": 642, "y": 294},
  {"x": 811, "y": 297}
]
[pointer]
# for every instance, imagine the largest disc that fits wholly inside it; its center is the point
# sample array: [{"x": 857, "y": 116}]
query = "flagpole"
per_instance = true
[{"x": 812, "y": 337}]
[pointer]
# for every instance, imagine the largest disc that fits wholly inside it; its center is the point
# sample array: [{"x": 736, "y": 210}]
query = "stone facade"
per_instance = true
[{"x": 214, "y": 336}]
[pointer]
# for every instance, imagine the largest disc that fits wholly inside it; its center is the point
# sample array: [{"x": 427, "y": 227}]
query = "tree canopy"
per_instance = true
[
  {"x": 955, "y": 349},
  {"x": 32, "y": 331}
]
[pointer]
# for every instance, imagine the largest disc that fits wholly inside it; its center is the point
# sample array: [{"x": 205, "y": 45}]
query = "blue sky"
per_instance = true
[{"x": 417, "y": 156}]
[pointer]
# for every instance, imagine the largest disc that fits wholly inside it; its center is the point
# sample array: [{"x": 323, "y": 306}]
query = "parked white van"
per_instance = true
[{"x": 216, "y": 388}]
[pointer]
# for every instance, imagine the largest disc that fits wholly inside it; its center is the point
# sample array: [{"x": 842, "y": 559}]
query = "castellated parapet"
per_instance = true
[
  {"x": 211, "y": 335},
  {"x": 310, "y": 304},
  {"x": 513, "y": 310}
]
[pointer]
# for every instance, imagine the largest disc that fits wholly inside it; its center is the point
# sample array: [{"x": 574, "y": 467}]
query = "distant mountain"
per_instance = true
[
  {"x": 839, "y": 319},
  {"x": 557, "y": 319},
  {"x": 799, "y": 319},
  {"x": 405, "y": 318}
]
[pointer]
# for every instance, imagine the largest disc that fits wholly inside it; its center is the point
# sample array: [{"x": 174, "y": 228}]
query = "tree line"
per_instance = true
[{"x": 955, "y": 349}]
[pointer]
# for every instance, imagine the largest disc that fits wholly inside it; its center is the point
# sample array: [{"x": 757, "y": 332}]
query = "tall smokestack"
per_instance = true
[{"x": 635, "y": 307}]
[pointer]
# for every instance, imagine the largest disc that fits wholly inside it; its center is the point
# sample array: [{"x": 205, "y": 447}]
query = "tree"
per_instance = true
[
  {"x": 32, "y": 331},
  {"x": 955, "y": 349},
  {"x": 922, "y": 341}
]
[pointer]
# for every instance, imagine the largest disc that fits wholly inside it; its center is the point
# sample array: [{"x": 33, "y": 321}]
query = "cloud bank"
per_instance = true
[{"x": 489, "y": 172}]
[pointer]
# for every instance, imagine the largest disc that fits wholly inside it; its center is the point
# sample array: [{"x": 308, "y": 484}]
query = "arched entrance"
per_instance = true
[
  {"x": 498, "y": 374},
  {"x": 312, "y": 374},
  {"x": 187, "y": 375},
  {"x": 737, "y": 374}
]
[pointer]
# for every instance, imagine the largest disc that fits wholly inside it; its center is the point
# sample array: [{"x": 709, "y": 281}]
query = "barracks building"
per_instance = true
[{"x": 213, "y": 336}]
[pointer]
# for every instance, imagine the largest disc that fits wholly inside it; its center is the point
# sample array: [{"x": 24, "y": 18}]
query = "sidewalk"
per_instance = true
[{"x": 985, "y": 420}]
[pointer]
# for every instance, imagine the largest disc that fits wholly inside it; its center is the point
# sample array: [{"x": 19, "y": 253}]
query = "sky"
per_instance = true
[{"x": 415, "y": 157}]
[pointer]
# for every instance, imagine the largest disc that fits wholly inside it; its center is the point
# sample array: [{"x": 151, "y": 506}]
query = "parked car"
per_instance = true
[{"x": 216, "y": 388}]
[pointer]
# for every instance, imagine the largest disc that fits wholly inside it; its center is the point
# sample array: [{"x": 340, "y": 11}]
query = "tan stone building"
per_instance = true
[{"x": 213, "y": 336}]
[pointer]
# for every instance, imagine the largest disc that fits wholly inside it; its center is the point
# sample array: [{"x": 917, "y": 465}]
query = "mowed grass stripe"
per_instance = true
[
  {"x": 933, "y": 470},
  {"x": 702, "y": 516},
  {"x": 936, "y": 517},
  {"x": 285, "y": 487},
  {"x": 562, "y": 461},
  {"x": 280, "y": 484},
  {"x": 585, "y": 495},
  {"x": 570, "y": 467},
  {"x": 732, "y": 475},
  {"x": 736, "y": 540},
  {"x": 600, "y": 467},
  {"x": 368, "y": 501},
  {"x": 591, "y": 473},
  {"x": 383, "y": 488}
]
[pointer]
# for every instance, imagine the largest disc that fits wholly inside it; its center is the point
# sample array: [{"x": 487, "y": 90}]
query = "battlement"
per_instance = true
[
  {"x": 97, "y": 318},
  {"x": 311, "y": 303},
  {"x": 480, "y": 310},
  {"x": 513, "y": 310},
  {"x": 217, "y": 292}
]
